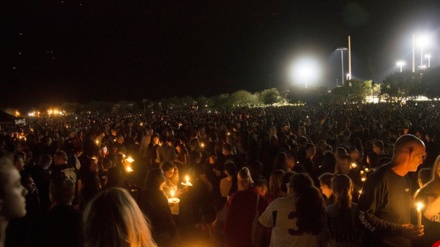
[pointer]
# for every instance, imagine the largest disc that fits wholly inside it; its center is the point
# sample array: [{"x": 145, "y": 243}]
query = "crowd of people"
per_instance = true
[{"x": 340, "y": 175}]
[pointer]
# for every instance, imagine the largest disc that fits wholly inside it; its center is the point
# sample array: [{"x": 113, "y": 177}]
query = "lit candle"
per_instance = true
[
  {"x": 187, "y": 180},
  {"x": 172, "y": 193},
  {"x": 419, "y": 213},
  {"x": 128, "y": 169},
  {"x": 353, "y": 165}
]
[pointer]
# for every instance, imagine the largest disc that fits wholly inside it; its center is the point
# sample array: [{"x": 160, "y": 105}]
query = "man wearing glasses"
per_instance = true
[{"x": 385, "y": 205}]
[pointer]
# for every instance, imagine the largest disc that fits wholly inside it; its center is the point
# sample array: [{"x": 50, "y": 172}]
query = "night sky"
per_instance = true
[{"x": 72, "y": 50}]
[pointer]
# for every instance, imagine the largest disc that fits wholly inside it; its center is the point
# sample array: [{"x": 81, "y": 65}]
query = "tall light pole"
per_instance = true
[
  {"x": 342, "y": 49},
  {"x": 423, "y": 40},
  {"x": 413, "y": 54},
  {"x": 428, "y": 56},
  {"x": 349, "y": 58},
  {"x": 400, "y": 64}
]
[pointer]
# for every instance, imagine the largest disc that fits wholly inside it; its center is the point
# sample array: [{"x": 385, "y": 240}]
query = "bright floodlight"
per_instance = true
[
  {"x": 428, "y": 56},
  {"x": 423, "y": 40},
  {"x": 400, "y": 64},
  {"x": 305, "y": 71}
]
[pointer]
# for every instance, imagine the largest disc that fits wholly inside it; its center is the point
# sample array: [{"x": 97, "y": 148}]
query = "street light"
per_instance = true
[
  {"x": 342, "y": 49},
  {"x": 428, "y": 56},
  {"x": 400, "y": 64}
]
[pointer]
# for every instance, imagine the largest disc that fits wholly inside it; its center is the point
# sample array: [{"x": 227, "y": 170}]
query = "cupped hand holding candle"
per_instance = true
[{"x": 187, "y": 183}]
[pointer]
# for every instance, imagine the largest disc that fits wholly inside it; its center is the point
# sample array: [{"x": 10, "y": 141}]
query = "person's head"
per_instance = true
[
  {"x": 154, "y": 179},
  {"x": 226, "y": 149},
  {"x": 45, "y": 161},
  {"x": 275, "y": 182},
  {"x": 309, "y": 203},
  {"x": 60, "y": 158},
  {"x": 424, "y": 176},
  {"x": 285, "y": 180},
  {"x": 62, "y": 190},
  {"x": 244, "y": 179},
  {"x": 291, "y": 162},
  {"x": 436, "y": 170},
  {"x": 342, "y": 189},
  {"x": 155, "y": 139},
  {"x": 378, "y": 147},
  {"x": 261, "y": 186},
  {"x": 230, "y": 169},
  {"x": 409, "y": 153},
  {"x": 280, "y": 161},
  {"x": 12, "y": 192},
  {"x": 169, "y": 169},
  {"x": 19, "y": 161},
  {"x": 325, "y": 184},
  {"x": 113, "y": 219},
  {"x": 339, "y": 152},
  {"x": 343, "y": 164},
  {"x": 310, "y": 150}
]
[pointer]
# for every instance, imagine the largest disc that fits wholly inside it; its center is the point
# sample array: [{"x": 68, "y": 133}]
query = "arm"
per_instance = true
[
  {"x": 206, "y": 181},
  {"x": 370, "y": 202},
  {"x": 266, "y": 218}
]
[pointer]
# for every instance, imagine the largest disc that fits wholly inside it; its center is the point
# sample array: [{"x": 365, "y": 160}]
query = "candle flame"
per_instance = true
[
  {"x": 187, "y": 179},
  {"x": 129, "y": 159},
  {"x": 172, "y": 193},
  {"x": 129, "y": 169},
  {"x": 353, "y": 165},
  {"x": 419, "y": 206}
]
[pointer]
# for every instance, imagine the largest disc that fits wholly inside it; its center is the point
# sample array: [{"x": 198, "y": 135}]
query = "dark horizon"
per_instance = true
[{"x": 58, "y": 51}]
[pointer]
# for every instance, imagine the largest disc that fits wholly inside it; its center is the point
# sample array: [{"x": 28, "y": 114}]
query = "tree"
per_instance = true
[
  {"x": 270, "y": 96},
  {"x": 398, "y": 86},
  {"x": 243, "y": 98},
  {"x": 358, "y": 90},
  {"x": 431, "y": 83}
]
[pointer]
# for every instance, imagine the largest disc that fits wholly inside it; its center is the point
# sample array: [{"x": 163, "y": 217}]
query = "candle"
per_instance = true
[
  {"x": 129, "y": 169},
  {"x": 419, "y": 213},
  {"x": 172, "y": 193},
  {"x": 187, "y": 180}
]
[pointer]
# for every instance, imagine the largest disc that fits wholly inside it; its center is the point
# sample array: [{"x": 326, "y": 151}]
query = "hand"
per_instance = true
[{"x": 412, "y": 231}]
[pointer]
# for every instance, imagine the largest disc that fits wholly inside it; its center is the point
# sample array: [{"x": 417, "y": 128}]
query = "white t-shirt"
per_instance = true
[{"x": 281, "y": 216}]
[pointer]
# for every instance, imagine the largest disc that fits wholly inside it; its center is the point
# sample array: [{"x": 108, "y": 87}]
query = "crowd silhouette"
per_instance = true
[{"x": 273, "y": 176}]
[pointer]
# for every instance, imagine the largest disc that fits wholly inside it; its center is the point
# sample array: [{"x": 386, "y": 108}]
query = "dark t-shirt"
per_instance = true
[
  {"x": 67, "y": 170},
  {"x": 384, "y": 206},
  {"x": 59, "y": 227}
]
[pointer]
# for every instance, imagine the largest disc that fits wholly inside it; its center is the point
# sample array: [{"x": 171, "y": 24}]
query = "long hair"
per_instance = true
[
  {"x": 309, "y": 204},
  {"x": 113, "y": 219},
  {"x": 275, "y": 183},
  {"x": 342, "y": 186},
  {"x": 244, "y": 179},
  {"x": 6, "y": 164}
]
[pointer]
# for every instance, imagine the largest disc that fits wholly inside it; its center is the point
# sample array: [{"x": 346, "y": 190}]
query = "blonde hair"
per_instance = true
[{"x": 113, "y": 219}]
